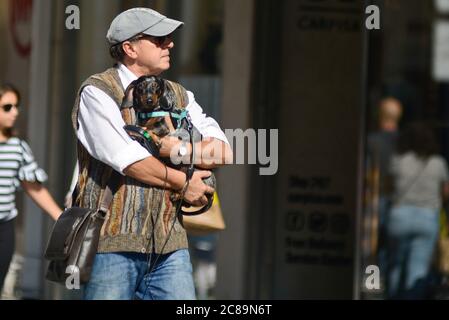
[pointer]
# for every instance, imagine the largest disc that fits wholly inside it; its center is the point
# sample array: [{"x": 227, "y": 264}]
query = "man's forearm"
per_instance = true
[
  {"x": 153, "y": 172},
  {"x": 211, "y": 153}
]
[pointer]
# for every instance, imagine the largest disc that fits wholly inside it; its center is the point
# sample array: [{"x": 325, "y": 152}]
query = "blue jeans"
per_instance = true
[
  {"x": 382, "y": 253},
  {"x": 125, "y": 276},
  {"x": 412, "y": 233}
]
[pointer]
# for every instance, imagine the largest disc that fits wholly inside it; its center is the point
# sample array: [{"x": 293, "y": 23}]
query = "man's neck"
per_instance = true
[
  {"x": 139, "y": 70},
  {"x": 136, "y": 70}
]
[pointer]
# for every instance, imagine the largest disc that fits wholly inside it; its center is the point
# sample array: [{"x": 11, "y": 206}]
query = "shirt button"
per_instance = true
[{"x": 143, "y": 250}]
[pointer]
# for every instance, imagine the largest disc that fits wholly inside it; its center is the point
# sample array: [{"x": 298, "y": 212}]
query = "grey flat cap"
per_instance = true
[{"x": 140, "y": 20}]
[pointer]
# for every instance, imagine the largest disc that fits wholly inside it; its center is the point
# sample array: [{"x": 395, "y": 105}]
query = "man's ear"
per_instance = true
[{"x": 129, "y": 50}]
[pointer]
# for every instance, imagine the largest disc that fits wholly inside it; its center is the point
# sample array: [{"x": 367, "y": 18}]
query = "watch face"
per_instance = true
[{"x": 182, "y": 150}]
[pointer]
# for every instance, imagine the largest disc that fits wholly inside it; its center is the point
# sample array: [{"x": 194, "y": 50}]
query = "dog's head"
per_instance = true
[{"x": 147, "y": 92}]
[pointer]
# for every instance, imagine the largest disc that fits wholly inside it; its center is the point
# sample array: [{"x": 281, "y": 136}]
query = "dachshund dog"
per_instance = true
[{"x": 151, "y": 94}]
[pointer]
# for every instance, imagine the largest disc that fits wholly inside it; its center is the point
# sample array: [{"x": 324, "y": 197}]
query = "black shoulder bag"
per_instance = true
[{"x": 74, "y": 240}]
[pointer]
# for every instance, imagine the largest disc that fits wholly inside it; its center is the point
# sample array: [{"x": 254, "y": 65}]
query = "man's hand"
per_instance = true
[
  {"x": 167, "y": 144},
  {"x": 195, "y": 194}
]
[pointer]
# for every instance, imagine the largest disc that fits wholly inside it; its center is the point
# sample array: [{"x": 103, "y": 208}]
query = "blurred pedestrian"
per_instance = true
[
  {"x": 381, "y": 147},
  {"x": 17, "y": 168},
  {"x": 420, "y": 177}
]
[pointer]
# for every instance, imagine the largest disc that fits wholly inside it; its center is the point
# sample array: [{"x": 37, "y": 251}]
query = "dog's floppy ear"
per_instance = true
[
  {"x": 127, "y": 101},
  {"x": 161, "y": 84},
  {"x": 166, "y": 102}
]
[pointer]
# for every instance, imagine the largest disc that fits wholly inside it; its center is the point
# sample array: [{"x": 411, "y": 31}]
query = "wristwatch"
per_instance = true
[{"x": 182, "y": 149}]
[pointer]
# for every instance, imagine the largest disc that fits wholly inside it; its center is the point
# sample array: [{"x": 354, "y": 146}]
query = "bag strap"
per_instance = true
[{"x": 109, "y": 192}]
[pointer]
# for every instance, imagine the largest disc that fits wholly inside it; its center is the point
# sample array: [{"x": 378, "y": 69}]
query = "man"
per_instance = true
[
  {"x": 143, "y": 247},
  {"x": 382, "y": 143},
  {"x": 381, "y": 147}
]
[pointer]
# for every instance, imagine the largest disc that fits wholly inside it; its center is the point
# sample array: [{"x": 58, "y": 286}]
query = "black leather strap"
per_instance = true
[
  {"x": 143, "y": 138},
  {"x": 109, "y": 192}
]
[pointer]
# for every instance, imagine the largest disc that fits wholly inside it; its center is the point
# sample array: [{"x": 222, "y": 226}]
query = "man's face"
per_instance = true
[
  {"x": 390, "y": 110},
  {"x": 153, "y": 54}
]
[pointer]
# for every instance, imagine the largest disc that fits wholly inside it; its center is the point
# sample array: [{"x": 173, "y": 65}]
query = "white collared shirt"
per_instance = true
[{"x": 101, "y": 126}]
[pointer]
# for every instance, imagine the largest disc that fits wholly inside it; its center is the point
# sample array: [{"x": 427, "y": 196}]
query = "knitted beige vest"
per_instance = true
[{"x": 137, "y": 210}]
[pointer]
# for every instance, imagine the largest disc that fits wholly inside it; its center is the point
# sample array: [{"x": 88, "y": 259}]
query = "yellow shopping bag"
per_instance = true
[
  {"x": 207, "y": 222},
  {"x": 443, "y": 245}
]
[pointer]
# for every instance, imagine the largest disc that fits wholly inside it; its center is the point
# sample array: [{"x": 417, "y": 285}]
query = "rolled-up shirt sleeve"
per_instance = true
[
  {"x": 207, "y": 126},
  {"x": 101, "y": 131}
]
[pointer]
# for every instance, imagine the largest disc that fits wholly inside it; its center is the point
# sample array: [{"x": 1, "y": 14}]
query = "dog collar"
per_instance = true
[{"x": 158, "y": 114}]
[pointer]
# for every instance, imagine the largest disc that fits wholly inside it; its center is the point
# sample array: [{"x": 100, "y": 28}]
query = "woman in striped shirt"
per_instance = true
[{"x": 17, "y": 168}]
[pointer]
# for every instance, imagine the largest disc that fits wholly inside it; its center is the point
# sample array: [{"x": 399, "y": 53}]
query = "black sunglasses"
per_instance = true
[
  {"x": 8, "y": 107},
  {"x": 159, "y": 41}
]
